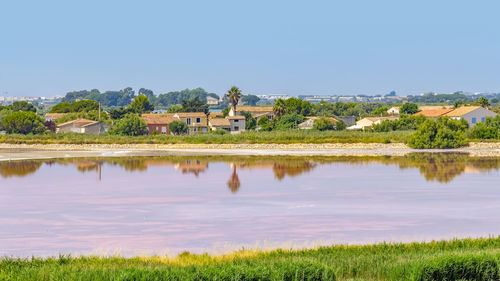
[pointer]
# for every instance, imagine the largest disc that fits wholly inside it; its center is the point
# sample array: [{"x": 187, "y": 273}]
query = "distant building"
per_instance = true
[
  {"x": 433, "y": 113},
  {"x": 219, "y": 124},
  {"x": 472, "y": 114},
  {"x": 83, "y": 126},
  {"x": 196, "y": 121},
  {"x": 237, "y": 122},
  {"x": 212, "y": 100},
  {"x": 256, "y": 111},
  {"x": 53, "y": 116},
  {"x": 309, "y": 123},
  {"x": 348, "y": 120},
  {"x": 395, "y": 109},
  {"x": 368, "y": 122}
]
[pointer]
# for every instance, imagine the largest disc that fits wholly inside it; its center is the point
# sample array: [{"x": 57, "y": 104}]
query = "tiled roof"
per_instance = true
[
  {"x": 190, "y": 114},
  {"x": 158, "y": 119},
  {"x": 219, "y": 122},
  {"x": 433, "y": 113},
  {"x": 78, "y": 123},
  {"x": 216, "y": 115},
  {"x": 331, "y": 119},
  {"x": 254, "y": 108},
  {"x": 461, "y": 111},
  {"x": 434, "y": 107},
  {"x": 239, "y": 117},
  {"x": 374, "y": 119}
]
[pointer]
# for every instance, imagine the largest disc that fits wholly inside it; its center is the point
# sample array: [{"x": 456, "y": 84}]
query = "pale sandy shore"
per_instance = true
[{"x": 9, "y": 152}]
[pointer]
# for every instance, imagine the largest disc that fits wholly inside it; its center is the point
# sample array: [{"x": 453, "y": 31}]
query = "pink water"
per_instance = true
[{"x": 158, "y": 207}]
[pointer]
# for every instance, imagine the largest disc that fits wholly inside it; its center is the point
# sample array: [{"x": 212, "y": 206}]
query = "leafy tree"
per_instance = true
[
  {"x": 177, "y": 127},
  {"x": 293, "y": 105},
  {"x": 381, "y": 111},
  {"x": 234, "y": 95},
  {"x": 323, "y": 124},
  {"x": 174, "y": 109},
  {"x": 250, "y": 99},
  {"x": 484, "y": 102},
  {"x": 443, "y": 133},
  {"x": 22, "y": 106},
  {"x": 177, "y": 97},
  {"x": 279, "y": 107},
  {"x": 62, "y": 107},
  {"x": 340, "y": 125},
  {"x": 409, "y": 108},
  {"x": 194, "y": 105},
  {"x": 116, "y": 114},
  {"x": 130, "y": 125},
  {"x": 289, "y": 121},
  {"x": 23, "y": 122},
  {"x": 225, "y": 111},
  {"x": 148, "y": 93},
  {"x": 141, "y": 105},
  {"x": 250, "y": 122},
  {"x": 79, "y": 106}
]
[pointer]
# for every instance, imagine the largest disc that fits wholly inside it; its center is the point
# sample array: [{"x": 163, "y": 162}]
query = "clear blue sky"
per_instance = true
[{"x": 295, "y": 47}]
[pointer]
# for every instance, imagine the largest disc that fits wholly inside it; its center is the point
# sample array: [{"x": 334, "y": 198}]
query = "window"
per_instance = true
[
  {"x": 198, "y": 120},
  {"x": 236, "y": 120},
  {"x": 204, "y": 129},
  {"x": 236, "y": 128},
  {"x": 194, "y": 129},
  {"x": 473, "y": 120},
  {"x": 188, "y": 120},
  {"x": 483, "y": 119},
  {"x": 164, "y": 130},
  {"x": 189, "y": 131},
  {"x": 157, "y": 128}
]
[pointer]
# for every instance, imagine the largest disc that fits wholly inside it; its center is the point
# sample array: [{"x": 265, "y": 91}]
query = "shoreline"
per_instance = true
[{"x": 10, "y": 152}]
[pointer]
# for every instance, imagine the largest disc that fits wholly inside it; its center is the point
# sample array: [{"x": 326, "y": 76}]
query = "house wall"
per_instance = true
[
  {"x": 161, "y": 129},
  {"x": 96, "y": 129},
  {"x": 194, "y": 126},
  {"x": 478, "y": 116},
  {"x": 364, "y": 123},
  {"x": 237, "y": 125}
]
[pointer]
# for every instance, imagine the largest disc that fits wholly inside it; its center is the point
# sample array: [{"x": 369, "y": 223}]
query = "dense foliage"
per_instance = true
[
  {"x": 443, "y": 133},
  {"x": 78, "y": 106},
  {"x": 404, "y": 122},
  {"x": 194, "y": 105},
  {"x": 323, "y": 124},
  {"x": 177, "y": 127},
  {"x": 468, "y": 267},
  {"x": 490, "y": 129},
  {"x": 130, "y": 125},
  {"x": 23, "y": 122},
  {"x": 408, "y": 108}
]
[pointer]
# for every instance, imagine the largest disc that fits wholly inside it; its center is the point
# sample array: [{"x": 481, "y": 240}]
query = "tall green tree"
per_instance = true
[
  {"x": 279, "y": 107},
  {"x": 141, "y": 104},
  {"x": 250, "y": 99},
  {"x": 23, "y": 122},
  {"x": 234, "y": 95},
  {"x": 194, "y": 105},
  {"x": 409, "y": 108},
  {"x": 22, "y": 106},
  {"x": 177, "y": 127},
  {"x": 130, "y": 125},
  {"x": 484, "y": 102}
]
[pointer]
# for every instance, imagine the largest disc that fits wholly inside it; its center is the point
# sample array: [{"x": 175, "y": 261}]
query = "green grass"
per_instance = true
[
  {"x": 411, "y": 261},
  {"x": 251, "y": 137}
]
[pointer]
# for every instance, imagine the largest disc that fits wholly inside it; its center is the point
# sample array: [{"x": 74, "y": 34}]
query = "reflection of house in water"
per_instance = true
[
  {"x": 18, "y": 168},
  {"x": 281, "y": 169},
  {"x": 191, "y": 166}
]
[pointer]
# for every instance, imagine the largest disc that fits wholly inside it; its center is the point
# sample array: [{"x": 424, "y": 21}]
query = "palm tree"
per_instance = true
[
  {"x": 279, "y": 107},
  {"x": 234, "y": 95}
]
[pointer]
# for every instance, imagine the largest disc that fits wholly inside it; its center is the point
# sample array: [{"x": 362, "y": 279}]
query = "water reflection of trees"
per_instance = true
[{"x": 441, "y": 167}]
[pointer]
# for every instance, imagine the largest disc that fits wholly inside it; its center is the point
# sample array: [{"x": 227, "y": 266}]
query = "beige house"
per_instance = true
[
  {"x": 53, "y": 116},
  {"x": 196, "y": 121},
  {"x": 472, "y": 114},
  {"x": 309, "y": 123},
  {"x": 368, "y": 122},
  {"x": 219, "y": 123},
  {"x": 256, "y": 111},
  {"x": 83, "y": 126}
]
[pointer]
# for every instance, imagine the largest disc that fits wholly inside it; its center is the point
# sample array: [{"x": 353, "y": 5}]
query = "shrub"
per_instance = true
[
  {"x": 130, "y": 125},
  {"x": 23, "y": 122},
  {"x": 220, "y": 132},
  {"x": 323, "y": 124},
  {"x": 340, "y": 125},
  {"x": 250, "y": 121},
  {"x": 177, "y": 127},
  {"x": 22, "y": 106},
  {"x": 289, "y": 121},
  {"x": 483, "y": 131},
  {"x": 404, "y": 122},
  {"x": 443, "y": 133},
  {"x": 458, "y": 268}
]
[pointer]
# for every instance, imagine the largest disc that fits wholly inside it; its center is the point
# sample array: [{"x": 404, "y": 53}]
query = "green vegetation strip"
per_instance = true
[
  {"x": 465, "y": 259},
  {"x": 251, "y": 137}
]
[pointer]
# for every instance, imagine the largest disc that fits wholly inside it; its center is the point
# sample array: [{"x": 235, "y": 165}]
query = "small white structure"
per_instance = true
[
  {"x": 393, "y": 110},
  {"x": 472, "y": 114},
  {"x": 212, "y": 101}
]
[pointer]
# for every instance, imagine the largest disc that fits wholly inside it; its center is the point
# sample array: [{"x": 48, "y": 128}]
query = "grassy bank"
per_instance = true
[
  {"x": 371, "y": 262},
  {"x": 251, "y": 137}
]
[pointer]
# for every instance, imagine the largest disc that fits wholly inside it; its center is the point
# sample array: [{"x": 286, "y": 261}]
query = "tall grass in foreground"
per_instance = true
[
  {"x": 411, "y": 261},
  {"x": 250, "y": 137}
]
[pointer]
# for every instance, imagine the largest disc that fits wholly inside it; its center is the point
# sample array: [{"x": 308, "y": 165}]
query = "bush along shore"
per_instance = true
[{"x": 464, "y": 259}]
